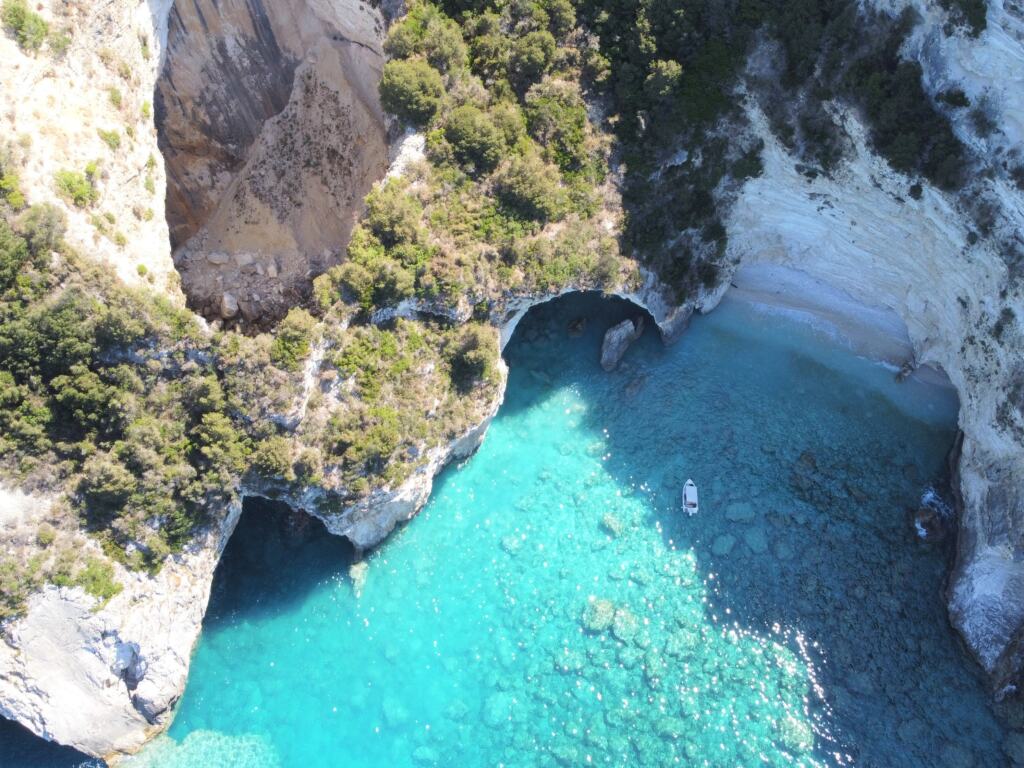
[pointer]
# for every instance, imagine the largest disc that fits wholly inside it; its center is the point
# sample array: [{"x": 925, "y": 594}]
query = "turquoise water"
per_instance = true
[{"x": 551, "y": 606}]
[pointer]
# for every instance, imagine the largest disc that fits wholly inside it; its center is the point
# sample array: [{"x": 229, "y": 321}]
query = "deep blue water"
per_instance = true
[{"x": 551, "y": 606}]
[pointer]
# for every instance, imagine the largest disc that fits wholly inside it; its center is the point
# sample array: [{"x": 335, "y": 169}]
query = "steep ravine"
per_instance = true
[
  {"x": 103, "y": 681},
  {"x": 272, "y": 134}
]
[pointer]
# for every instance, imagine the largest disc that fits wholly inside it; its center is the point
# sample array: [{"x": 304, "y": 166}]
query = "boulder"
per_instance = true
[
  {"x": 228, "y": 306},
  {"x": 617, "y": 340}
]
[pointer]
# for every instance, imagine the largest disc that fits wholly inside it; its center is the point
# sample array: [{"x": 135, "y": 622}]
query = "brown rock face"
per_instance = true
[{"x": 272, "y": 133}]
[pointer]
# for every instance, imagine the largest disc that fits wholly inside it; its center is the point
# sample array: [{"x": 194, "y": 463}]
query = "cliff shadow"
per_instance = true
[
  {"x": 23, "y": 749},
  {"x": 274, "y": 559}
]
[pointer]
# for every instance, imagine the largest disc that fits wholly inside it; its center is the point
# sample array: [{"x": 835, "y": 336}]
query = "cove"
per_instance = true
[{"x": 551, "y": 606}]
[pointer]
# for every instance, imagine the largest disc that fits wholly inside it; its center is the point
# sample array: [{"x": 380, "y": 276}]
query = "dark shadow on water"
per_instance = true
[
  {"x": 275, "y": 557},
  {"x": 20, "y": 748}
]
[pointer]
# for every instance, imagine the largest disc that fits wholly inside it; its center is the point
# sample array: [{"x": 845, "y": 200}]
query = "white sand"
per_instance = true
[{"x": 874, "y": 332}]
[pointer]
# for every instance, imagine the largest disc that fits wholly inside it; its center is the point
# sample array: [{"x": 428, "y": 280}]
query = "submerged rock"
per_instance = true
[
  {"x": 358, "y": 573},
  {"x": 625, "y": 625},
  {"x": 740, "y": 512},
  {"x": 757, "y": 540},
  {"x": 598, "y": 615},
  {"x": 617, "y": 340},
  {"x": 723, "y": 545},
  {"x": 612, "y": 524}
]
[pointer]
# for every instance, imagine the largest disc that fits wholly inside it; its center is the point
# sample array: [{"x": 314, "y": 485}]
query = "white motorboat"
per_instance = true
[{"x": 690, "y": 497}]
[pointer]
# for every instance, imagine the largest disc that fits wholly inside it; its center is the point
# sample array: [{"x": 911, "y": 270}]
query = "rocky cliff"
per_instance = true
[{"x": 272, "y": 132}]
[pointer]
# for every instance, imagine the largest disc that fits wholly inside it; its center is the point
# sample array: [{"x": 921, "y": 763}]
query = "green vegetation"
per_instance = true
[
  {"x": 510, "y": 196},
  {"x": 29, "y": 28},
  {"x": 111, "y": 138},
  {"x": 99, "y": 397},
  {"x": 968, "y": 13},
  {"x": 115, "y": 97},
  {"x": 396, "y": 372},
  {"x": 292, "y": 341},
  {"x": 412, "y": 90},
  {"x": 78, "y": 188}
]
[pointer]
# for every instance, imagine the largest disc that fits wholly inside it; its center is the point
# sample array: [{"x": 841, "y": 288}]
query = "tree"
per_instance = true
[
  {"x": 411, "y": 89},
  {"x": 29, "y": 28},
  {"x": 43, "y": 226},
  {"x": 476, "y": 141},
  {"x": 557, "y": 118},
  {"x": 392, "y": 214},
  {"x": 474, "y": 357},
  {"x": 531, "y": 56},
  {"x": 530, "y": 187}
]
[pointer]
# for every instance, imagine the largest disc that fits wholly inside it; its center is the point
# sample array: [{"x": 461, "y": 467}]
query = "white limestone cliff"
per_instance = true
[{"x": 54, "y": 109}]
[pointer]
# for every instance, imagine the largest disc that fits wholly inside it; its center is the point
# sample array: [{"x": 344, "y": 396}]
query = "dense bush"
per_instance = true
[
  {"x": 474, "y": 358},
  {"x": 78, "y": 188},
  {"x": 530, "y": 188},
  {"x": 477, "y": 142},
  {"x": 28, "y": 27},
  {"x": 412, "y": 89},
  {"x": 292, "y": 339}
]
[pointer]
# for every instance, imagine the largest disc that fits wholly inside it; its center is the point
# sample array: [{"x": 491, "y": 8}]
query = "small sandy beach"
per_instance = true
[{"x": 874, "y": 332}]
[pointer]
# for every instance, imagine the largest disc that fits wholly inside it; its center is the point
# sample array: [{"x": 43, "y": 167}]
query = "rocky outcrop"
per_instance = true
[
  {"x": 617, "y": 340},
  {"x": 273, "y": 133},
  {"x": 370, "y": 520},
  {"x": 103, "y": 678}
]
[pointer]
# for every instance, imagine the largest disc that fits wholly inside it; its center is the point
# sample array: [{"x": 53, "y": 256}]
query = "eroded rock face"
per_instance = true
[
  {"x": 104, "y": 680},
  {"x": 272, "y": 133}
]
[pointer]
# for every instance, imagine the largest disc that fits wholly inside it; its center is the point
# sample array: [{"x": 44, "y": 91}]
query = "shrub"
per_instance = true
[
  {"x": 425, "y": 31},
  {"x": 530, "y": 57},
  {"x": 43, "y": 227},
  {"x": 476, "y": 141},
  {"x": 292, "y": 339},
  {"x": 115, "y": 97},
  {"x": 474, "y": 359},
  {"x": 412, "y": 90},
  {"x": 530, "y": 188},
  {"x": 97, "y": 578},
  {"x": 77, "y": 187},
  {"x": 272, "y": 458},
  {"x": 392, "y": 214},
  {"x": 45, "y": 535},
  {"x": 111, "y": 138},
  {"x": 59, "y": 42},
  {"x": 10, "y": 190},
  {"x": 954, "y": 97},
  {"x": 557, "y": 118},
  {"x": 28, "y": 28},
  {"x": 561, "y": 17}
]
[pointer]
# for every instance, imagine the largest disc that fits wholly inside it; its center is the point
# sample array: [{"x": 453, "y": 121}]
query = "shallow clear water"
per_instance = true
[{"x": 551, "y": 606}]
